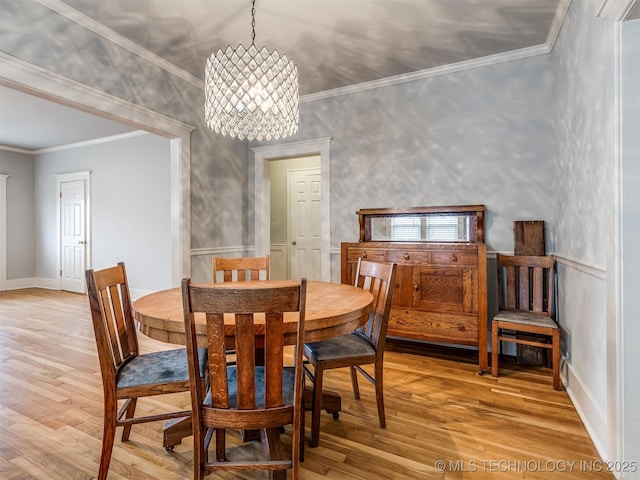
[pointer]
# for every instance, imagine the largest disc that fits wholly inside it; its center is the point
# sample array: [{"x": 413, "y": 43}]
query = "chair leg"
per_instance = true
[
  {"x": 198, "y": 452},
  {"x": 302, "y": 422},
  {"x": 495, "y": 347},
  {"x": 354, "y": 383},
  {"x": 108, "y": 439},
  {"x": 380, "y": 394},
  {"x": 316, "y": 406},
  {"x": 131, "y": 408},
  {"x": 557, "y": 384}
]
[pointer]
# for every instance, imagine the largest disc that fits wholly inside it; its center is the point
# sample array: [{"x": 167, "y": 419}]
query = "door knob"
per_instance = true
[
  {"x": 81, "y": 242},
  {"x": 294, "y": 243}
]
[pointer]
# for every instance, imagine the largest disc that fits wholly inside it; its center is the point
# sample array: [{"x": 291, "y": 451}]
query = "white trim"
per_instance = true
[
  {"x": 72, "y": 177},
  {"x": 17, "y": 150},
  {"x": 616, "y": 9},
  {"x": 262, "y": 197},
  {"x": 51, "y": 86},
  {"x": 619, "y": 10},
  {"x": 594, "y": 271},
  {"x": 233, "y": 249},
  {"x": 556, "y": 24},
  {"x": 88, "y": 143},
  {"x": 429, "y": 73},
  {"x": 583, "y": 401},
  {"x": 117, "y": 39},
  {"x": 3, "y": 230}
]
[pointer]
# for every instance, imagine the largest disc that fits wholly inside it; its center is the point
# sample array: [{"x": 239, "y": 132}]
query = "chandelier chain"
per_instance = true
[{"x": 253, "y": 22}]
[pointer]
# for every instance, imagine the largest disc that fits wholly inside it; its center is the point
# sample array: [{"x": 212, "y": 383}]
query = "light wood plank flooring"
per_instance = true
[{"x": 443, "y": 421}]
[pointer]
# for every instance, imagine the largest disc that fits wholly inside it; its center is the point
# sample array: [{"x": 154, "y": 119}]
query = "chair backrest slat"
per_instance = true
[
  {"x": 511, "y": 292},
  {"x": 523, "y": 288},
  {"x": 274, "y": 350},
  {"x": 537, "y": 302}
]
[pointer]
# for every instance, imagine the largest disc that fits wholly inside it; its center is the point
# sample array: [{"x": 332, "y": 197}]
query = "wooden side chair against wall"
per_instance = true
[
  {"x": 362, "y": 347},
  {"x": 243, "y": 394},
  {"x": 240, "y": 268},
  {"x": 126, "y": 374},
  {"x": 525, "y": 304}
]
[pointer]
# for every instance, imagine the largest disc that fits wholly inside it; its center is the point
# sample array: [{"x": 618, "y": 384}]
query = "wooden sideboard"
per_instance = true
[{"x": 440, "y": 293}]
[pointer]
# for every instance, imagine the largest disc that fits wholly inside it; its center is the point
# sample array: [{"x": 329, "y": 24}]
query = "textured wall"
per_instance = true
[
  {"x": 476, "y": 137},
  {"x": 38, "y": 35},
  {"x": 21, "y": 259}
]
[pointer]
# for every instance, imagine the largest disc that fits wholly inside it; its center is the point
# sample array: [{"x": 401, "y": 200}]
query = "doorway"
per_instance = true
[
  {"x": 295, "y": 218},
  {"x": 263, "y": 158}
]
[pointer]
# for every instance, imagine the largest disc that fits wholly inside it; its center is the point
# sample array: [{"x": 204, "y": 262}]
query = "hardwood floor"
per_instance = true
[{"x": 443, "y": 421}]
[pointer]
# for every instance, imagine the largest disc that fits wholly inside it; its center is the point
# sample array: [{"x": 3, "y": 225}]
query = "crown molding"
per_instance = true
[
  {"x": 108, "y": 34},
  {"x": 617, "y": 9},
  {"x": 7, "y": 148},
  {"x": 95, "y": 141},
  {"x": 429, "y": 73},
  {"x": 556, "y": 24}
]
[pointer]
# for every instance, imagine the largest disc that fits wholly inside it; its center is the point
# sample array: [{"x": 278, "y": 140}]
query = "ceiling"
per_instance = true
[{"x": 334, "y": 43}]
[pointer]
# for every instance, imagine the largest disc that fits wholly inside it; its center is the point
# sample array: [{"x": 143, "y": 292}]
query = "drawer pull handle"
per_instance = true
[
  {"x": 364, "y": 255},
  {"x": 406, "y": 256},
  {"x": 461, "y": 327},
  {"x": 416, "y": 288},
  {"x": 454, "y": 258}
]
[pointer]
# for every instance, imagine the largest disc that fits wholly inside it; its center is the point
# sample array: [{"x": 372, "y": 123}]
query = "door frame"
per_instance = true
[
  {"x": 72, "y": 177},
  {"x": 3, "y": 231},
  {"x": 262, "y": 193}
]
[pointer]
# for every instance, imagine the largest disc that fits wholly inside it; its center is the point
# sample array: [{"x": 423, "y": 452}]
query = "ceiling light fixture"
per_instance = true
[{"x": 251, "y": 93}]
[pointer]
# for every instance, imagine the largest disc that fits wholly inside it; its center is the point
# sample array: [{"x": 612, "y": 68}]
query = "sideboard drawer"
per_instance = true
[
  {"x": 366, "y": 254},
  {"x": 454, "y": 257},
  {"x": 408, "y": 256}
]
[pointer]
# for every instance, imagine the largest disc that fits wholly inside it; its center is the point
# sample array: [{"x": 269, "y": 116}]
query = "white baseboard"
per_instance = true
[
  {"x": 33, "y": 282},
  {"x": 592, "y": 417}
]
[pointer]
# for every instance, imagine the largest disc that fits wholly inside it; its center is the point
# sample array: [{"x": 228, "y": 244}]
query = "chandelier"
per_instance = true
[{"x": 251, "y": 93}]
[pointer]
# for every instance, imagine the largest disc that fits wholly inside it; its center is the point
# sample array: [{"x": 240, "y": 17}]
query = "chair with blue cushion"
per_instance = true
[
  {"x": 362, "y": 347},
  {"x": 126, "y": 374},
  {"x": 250, "y": 393}
]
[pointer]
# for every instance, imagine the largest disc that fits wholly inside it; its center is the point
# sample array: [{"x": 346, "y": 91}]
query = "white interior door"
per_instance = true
[
  {"x": 73, "y": 235},
  {"x": 304, "y": 221}
]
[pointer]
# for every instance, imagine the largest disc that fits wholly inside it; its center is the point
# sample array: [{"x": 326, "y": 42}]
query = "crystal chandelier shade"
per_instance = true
[{"x": 251, "y": 93}]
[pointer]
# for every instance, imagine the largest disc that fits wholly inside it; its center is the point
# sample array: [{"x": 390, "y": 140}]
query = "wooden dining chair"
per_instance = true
[
  {"x": 126, "y": 374},
  {"x": 362, "y": 347},
  {"x": 525, "y": 305},
  {"x": 245, "y": 395},
  {"x": 240, "y": 268}
]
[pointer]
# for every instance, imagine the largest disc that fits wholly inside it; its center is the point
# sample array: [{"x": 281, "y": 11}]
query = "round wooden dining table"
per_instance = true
[{"x": 332, "y": 309}]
